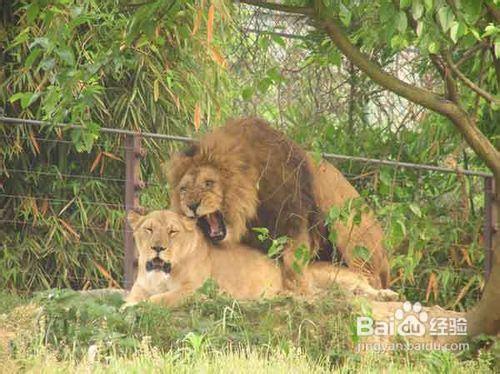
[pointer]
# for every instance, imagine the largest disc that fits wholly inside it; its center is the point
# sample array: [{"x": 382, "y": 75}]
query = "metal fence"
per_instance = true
[{"x": 133, "y": 152}]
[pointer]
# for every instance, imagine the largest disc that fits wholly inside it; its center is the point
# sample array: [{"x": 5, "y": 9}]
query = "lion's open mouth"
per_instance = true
[
  {"x": 213, "y": 226},
  {"x": 159, "y": 265}
]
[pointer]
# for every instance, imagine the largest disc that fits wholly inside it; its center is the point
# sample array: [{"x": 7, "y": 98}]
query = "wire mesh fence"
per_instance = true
[{"x": 62, "y": 211}]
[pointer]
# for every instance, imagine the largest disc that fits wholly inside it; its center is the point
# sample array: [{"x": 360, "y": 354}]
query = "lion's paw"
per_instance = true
[{"x": 128, "y": 304}]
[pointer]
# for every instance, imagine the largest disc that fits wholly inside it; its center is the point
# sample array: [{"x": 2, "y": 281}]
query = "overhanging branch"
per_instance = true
[
  {"x": 486, "y": 95},
  {"x": 474, "y": 137}
]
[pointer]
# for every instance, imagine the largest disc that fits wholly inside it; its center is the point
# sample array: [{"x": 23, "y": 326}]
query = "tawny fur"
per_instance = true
[
  {"x": 263, "y": 179},
  {"x": 331, "y": 188},
  {"x": 238, "y": 270}
]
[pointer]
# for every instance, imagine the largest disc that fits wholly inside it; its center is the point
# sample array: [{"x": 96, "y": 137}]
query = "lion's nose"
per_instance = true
[
  {"x": 158, "y": 248},
  {"x": 194, "y": 206}
]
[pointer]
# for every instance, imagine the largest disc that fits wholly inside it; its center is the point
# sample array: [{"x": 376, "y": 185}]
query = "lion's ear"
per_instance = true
[{"x": 134, "y": 219}]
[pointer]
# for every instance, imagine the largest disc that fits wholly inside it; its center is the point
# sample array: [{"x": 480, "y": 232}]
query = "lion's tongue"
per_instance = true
[{"x": 213, "y": 222}]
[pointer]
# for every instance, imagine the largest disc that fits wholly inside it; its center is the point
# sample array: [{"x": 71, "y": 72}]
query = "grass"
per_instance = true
[{"x": 61, "y": 331}]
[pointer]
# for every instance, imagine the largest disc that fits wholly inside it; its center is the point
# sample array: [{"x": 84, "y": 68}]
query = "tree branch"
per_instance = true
[
  {"x": 449, "y": 83},
  {"x": 474, "y": 137},
  {"x": 486, "y": 95},
  {"x": 471, "y": 52}
]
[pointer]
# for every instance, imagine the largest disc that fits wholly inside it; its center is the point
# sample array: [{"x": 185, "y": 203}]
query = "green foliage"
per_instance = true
[
  {"x": 71, "y": 322},
  {"x": 146, "y": 66},
  {"x": 276, "y": 245},
  {"x": 432, "y": 221},
  {"x": 60, "y": 330},
  {"x": 150, "y": 67}
]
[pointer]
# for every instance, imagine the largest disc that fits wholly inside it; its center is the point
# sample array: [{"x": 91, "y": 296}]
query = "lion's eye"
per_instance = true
[
  {"x": 209, "y": 183},
  {"x": 183, "y": 189},
  {"x": 173, "y": 232},
  {"x": 149, "y": 230}
]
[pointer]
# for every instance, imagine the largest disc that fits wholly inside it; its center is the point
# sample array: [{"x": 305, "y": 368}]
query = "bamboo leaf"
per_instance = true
[
  {"x": 96, "y": 162},
  {"x": 197, "y": 21},
  {"x": 210, "y": 22},
  {"x": 217, "y": 57},
  {"x": 197, "y": 116}
]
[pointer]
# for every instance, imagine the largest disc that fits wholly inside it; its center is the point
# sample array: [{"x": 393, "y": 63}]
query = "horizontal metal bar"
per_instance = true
[
  {"x": 407, "y": 165},
  {"x": 32, "y": 122},
  {"x": 19, "y": 121}
]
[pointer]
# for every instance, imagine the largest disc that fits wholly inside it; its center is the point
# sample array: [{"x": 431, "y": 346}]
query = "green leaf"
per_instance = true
[
  {"x": 497, "y": 46},
  {"x": 278, "y": 40},
  {"x": 66, "y": 55},
  {"x": 471, "y": 10},
  {"x": 403, "y": 4},
  {"x": 32, "y": 12},
  {"x": 415, "y": 209},
  {"x": 247, "y": 93},
  {"x": 333, "y": 215},
  {"x": 490, "y": 30},
  {"x": 428, "y": 5},
  {"x": 433, "y": 48},
  {"x": 263, "y": 85},
  {"x": 332, "y": 236},
  {"x": 398, "y": 231},
  {"x": 32, "y": 57},
  {"x": 26, "y": 98},
  {"x": 274, "y": 75},
  {"x": 401, "y": 22},
  {"x": 417, "y": 9},
  {"x": 457, "y": 30},
  {"x": 446, "y": 17},
  {"x": 17, "y": 96},
  {"x": 262, "y": 233},
  {"x": 345, "y": 15}
]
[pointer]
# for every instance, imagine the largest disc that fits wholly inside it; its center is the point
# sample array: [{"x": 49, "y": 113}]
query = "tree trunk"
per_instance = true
[{"x": 485, "y": 316}]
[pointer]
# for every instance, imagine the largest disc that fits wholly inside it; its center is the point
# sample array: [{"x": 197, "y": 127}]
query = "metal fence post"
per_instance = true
[
  {"x": 133, "y": 184},
  {"x": 489, "y": 190}
]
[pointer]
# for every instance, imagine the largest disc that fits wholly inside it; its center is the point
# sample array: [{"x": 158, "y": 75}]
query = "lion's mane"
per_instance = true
[{"x": 266, "y": 179}]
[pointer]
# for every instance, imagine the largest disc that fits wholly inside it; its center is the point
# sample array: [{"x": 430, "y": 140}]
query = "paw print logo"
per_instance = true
[{"x": 411, "y": 324}]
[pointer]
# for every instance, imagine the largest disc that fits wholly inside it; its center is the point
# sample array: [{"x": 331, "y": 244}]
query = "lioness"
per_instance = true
[{"x": 175, "y": 259}]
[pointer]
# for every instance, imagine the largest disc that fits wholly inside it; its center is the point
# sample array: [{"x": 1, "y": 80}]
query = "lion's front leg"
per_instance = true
[
  {"x": 296, "y": 257},
  {"x": 136, "y": 295},
  {"x": 171, "y": 298}
]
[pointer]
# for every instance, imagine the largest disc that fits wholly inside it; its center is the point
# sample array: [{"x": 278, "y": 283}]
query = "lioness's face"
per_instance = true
[
  {"x": 201, "y": 197},
  {"x": 162, "y": 239}
]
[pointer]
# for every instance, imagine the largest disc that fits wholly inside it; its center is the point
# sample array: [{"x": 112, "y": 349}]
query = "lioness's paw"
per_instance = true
[
  {"x": 128, "y": 304},
  {"x": 387, "y": 295}
]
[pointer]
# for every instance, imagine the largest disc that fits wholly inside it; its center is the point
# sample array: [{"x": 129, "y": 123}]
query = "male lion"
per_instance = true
[
  {"x": 175, "y": 259},
  {"x": 246, "y": 175}
]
